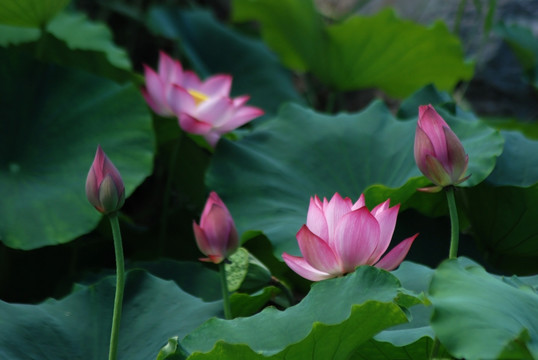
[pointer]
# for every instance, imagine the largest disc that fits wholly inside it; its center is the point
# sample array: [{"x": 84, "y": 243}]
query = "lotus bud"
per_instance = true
[
  {"x": 104, "y": 186},
  {"x": 439, "y": 154},
  {"x": 216, "y": 236}
]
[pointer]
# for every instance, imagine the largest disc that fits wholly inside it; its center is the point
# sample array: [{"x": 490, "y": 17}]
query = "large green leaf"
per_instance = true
[
  {"x": 53, "y": 118},
  {"x": 412, "y": 340},
  {"x": 78, "y": 326},
  {"x": 334, "y": 318},
  {"x": 517, "y": 164},
  {"x": 214, "y": 48},
  {"x": 31, "y": 13},
  {"x": 478, "y": 316},
  {"x": 361, "y": 52},
  {"x": 267, "y": 178}
]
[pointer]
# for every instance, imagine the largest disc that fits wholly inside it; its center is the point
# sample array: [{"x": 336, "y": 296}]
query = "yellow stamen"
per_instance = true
[{"x": 198, "y": 96}]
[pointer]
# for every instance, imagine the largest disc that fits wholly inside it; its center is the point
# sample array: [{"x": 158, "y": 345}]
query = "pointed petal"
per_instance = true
[
  {"x": 317, "y": 252},
  {"x": 432, "y": 123},
  {"x": 180, "y": 100},
  {"x": 192, "y": 125},
  {"x": 201, "y": 240},
  {"x": 436, "y": 172},
  {"x": 216, "y": 111},
  {"x": 217, "y": 86},
  {"x": 154, "y": 93},
  {"x": 240, "y": 100},
  {"x": 396, "y": 255},
  {"x": 315, "y": 220},
  {"x": 386, "y": 217},
  {"x": 423, "y": 147},
  {"x": 213, "y": 198},
  {"x": 241, "y": 117},
  {"x": 304, "y": 269},
  {"x": 356, "y": 237},
  {"x": 170, "y": 70},
  {"x": 359, "y": 203},
  {"x": 457, "y": 159},
  {"x": 334, "y": 210}
]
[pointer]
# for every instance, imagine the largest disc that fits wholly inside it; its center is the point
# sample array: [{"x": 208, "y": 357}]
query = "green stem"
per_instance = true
[
  {"x": 454, "y": 223},
  {"x": 167, "y": 193},
  {"x": 225, "y": 294},
  {"x": 120, "y": 285}
]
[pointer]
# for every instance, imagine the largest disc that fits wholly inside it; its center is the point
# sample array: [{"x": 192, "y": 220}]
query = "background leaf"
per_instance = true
[
  {"x": 46, "y": 149},
  {"x": 360, "y": 52},
  {"x": 31, "y": 13}
]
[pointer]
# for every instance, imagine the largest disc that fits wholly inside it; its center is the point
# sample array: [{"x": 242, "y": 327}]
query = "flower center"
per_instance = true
[{"x": 198, "y": 96}]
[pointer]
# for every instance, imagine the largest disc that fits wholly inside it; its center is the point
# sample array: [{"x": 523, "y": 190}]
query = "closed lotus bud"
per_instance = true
[
  {"x": 104, "y": 186},
  {"x": 439, "y": 154},
  {"x": 216, "y": 236}
]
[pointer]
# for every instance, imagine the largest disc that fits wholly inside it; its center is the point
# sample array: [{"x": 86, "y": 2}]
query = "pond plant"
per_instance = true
[{"x": 238, "y": 135}]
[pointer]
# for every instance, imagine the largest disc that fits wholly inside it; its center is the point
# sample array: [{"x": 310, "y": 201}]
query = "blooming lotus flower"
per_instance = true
[
  {"x": 216, "y": 236},
  {"x": 439, "y": 154},
  {"x": 202, "y": 107},
  {"x": 339, "y": 236},
  {"x": 104, "y": 186}
]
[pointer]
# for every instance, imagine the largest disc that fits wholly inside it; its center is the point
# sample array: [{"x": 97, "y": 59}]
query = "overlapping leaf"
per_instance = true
[
  {"x": 267, "y": 178},
  {"x": 343, "y": 312},
  {"x": 78, "y": 327},
  {"x": 53, "y": 118},
  {"x": 361, "y": 52}
]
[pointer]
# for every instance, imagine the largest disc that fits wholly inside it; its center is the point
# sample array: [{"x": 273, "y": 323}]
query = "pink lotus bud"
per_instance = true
[
  {"x": 216, "y": 236},
  {"x": 339, "y": 236},
  {"x": 439, "y": 154},
  {"x": 104, "y": 187}
]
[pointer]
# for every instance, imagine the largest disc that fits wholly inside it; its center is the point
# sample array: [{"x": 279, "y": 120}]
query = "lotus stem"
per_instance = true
[
  {"x": 454, "y": 223},
  {"x": 225, "y": 293},
  {"x": 120, "y": 285}
]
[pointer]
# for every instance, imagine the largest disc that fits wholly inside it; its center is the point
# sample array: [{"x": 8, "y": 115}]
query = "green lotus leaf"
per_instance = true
[
  {"x": 334, "y": 318},
  {"x": 267, "y": 178},
  {"x": 78, "y": 326},
  {"x": 479, "y": 316},
  {"x": 53, "y": 118},
  {"x": 360, "y": 52}
]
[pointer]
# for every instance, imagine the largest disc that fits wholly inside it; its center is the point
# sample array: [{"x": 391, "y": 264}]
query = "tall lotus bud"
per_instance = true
[
  {"x": 439, "y": 154},
  {"x": 104, "y": 186},
  {"x": 216, "y": 236}
]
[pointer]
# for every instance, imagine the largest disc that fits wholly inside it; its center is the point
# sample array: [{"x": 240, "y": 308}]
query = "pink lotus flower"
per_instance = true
[
  {"x": 202, "y": 107},
  {"x": 439, "y": 154},
  {"x": 339, "y": 236},
  {"x": 104, "y": 186},
  {"x": 216, "y": 235}
]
